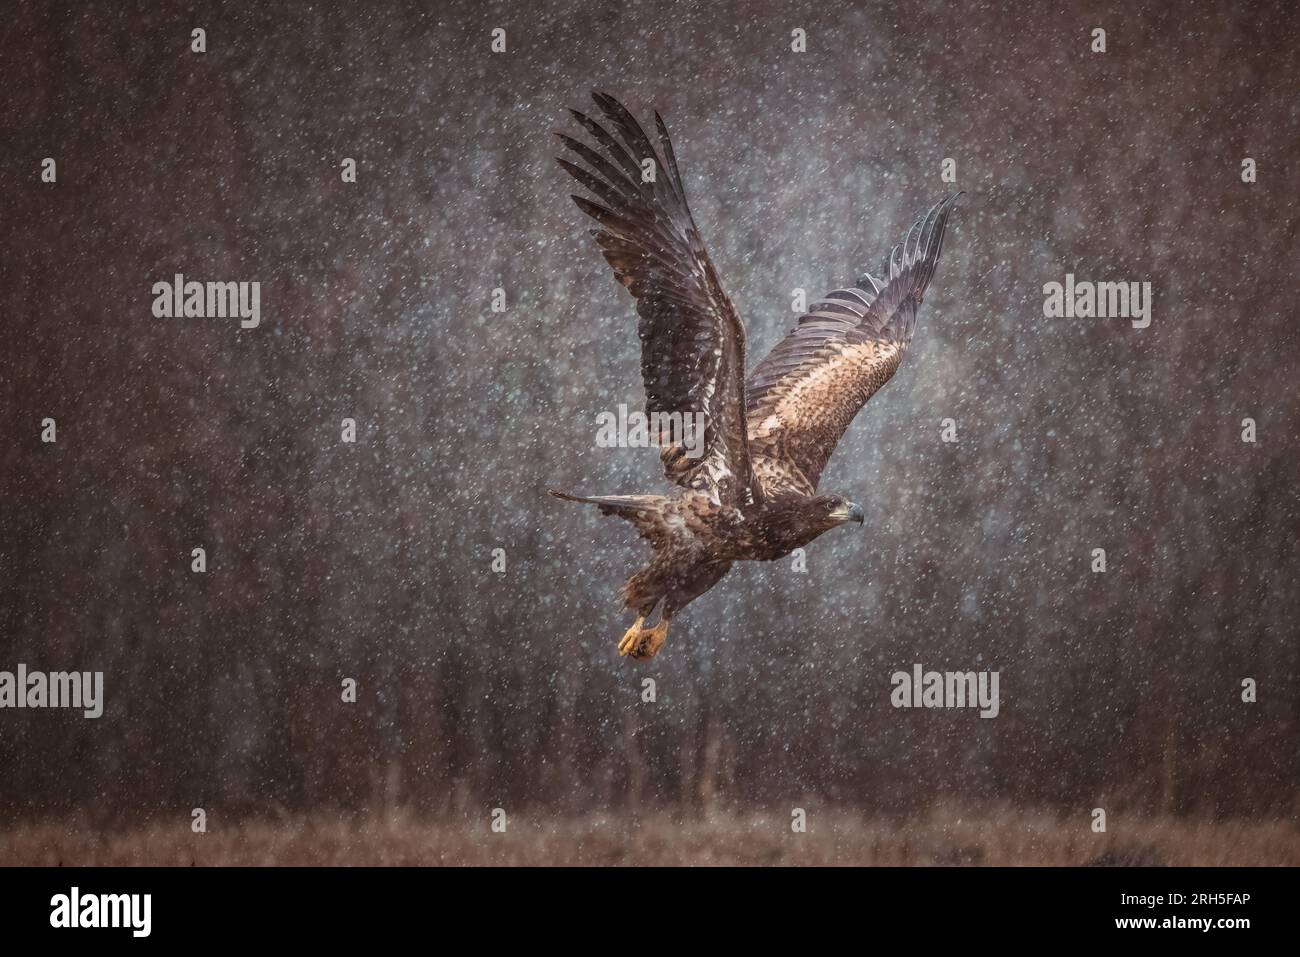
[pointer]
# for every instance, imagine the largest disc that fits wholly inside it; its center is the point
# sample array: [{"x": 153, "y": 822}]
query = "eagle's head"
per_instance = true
[
  {"x": 795, "y": 523},
  {"x": 792, "y": 521},
  {"x": 836, "y": 510}
]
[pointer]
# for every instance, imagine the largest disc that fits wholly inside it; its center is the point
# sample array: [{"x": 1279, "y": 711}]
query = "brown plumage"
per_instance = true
[{"x": 751, "y": 495}]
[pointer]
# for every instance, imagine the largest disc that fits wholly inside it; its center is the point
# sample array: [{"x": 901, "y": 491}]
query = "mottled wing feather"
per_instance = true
[
  {"x": 803, "y": 396},
  {"x": 692, "y": 339}
]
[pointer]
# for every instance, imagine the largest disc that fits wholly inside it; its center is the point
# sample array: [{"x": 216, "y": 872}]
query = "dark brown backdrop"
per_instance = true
[{"x": 372, "y": 561}]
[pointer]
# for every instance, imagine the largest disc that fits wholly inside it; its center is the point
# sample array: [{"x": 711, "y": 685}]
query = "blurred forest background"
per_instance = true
[{"x": 372, "y": 561}]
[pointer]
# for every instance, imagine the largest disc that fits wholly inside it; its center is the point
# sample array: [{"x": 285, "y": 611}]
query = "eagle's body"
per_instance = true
[{"x": 752, "y": 493}]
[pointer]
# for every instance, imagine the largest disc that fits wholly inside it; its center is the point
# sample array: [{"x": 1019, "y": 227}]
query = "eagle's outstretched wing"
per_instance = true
[
  {"x": 806, "y": 392},
  {"x": 692, "y": 339}
]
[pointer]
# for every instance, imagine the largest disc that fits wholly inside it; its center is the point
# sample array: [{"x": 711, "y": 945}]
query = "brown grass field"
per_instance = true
[{"x": 842, "y": 838}]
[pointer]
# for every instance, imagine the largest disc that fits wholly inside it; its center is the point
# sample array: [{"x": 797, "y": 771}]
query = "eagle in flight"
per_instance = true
[{"x": 748, "y": 485}]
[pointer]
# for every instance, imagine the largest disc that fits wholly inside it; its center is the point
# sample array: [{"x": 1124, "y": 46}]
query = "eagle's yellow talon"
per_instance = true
[
  {"x": 654, "y": 640},
  {"x": 640, "y": 642},
  {"x": 630, "y": 637}
]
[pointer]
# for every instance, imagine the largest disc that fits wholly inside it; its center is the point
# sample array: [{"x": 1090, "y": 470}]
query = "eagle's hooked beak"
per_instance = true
[{"x": 850, "y": 513}]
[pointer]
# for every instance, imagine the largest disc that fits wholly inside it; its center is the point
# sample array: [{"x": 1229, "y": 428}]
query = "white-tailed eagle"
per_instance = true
[{"x": 748, "y": 490}]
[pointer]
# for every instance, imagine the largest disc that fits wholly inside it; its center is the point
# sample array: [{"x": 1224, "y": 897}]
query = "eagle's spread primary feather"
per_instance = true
[{"x": 752, "y": 492}]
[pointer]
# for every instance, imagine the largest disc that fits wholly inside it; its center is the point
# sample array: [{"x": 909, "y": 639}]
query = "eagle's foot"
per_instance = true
[
  {"x": 630, "y": 636},
  {"x": 643, "y": 643}
]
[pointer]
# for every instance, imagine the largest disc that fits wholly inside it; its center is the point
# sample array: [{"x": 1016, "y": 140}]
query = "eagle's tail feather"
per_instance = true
[{"x": 625, "y": 506}]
